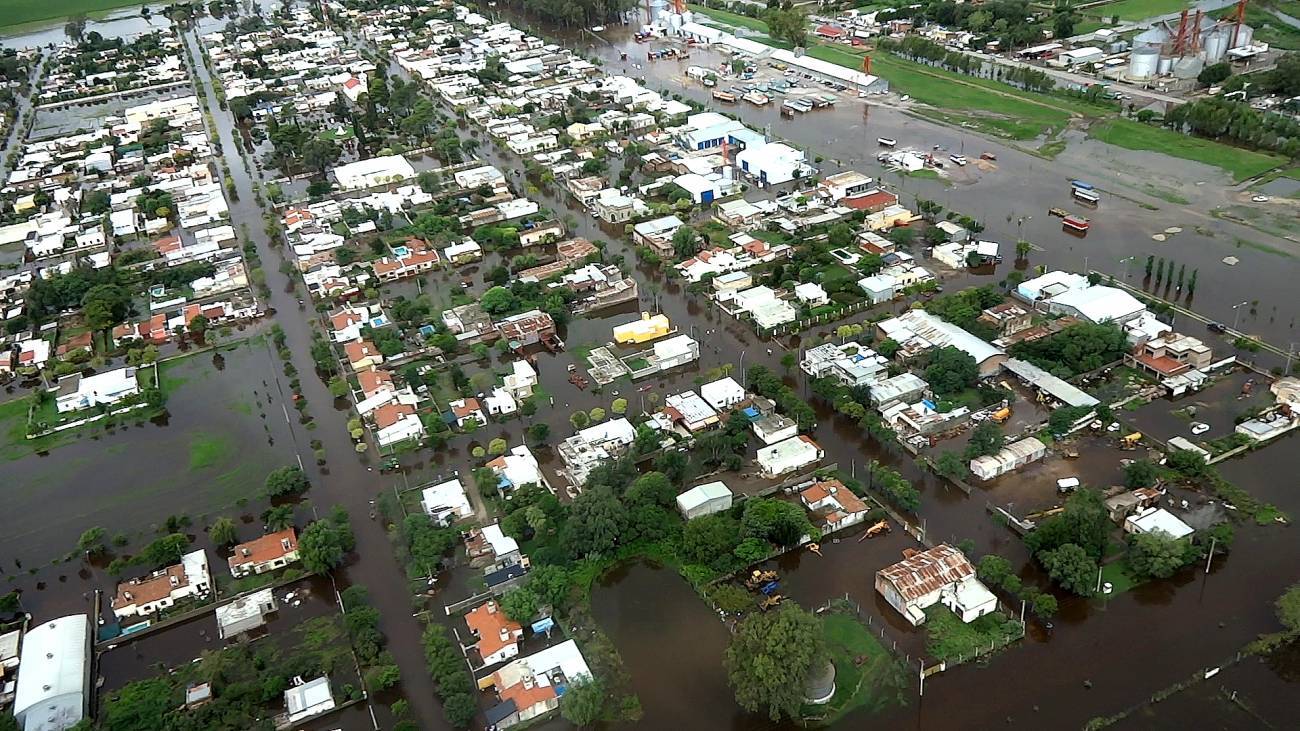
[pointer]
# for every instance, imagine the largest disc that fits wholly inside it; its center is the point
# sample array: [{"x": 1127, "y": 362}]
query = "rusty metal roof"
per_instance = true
[{"x": 928, "y": 571}]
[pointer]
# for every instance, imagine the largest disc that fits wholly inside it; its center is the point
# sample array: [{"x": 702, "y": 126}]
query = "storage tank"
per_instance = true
[
  {"x": 1216, "y": 44},
  {"x": 1188, "y": 67},
  {"x": 1143, "y": 63},
  {"x": 1166, "y": 65},
  {"x": 674, "y": 21},
  {"x": 1244, "y": 36}
]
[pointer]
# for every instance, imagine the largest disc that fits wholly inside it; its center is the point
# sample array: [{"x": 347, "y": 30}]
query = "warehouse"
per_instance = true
[
  {"x": 1008, "y": 459},
  {"x": 827, "y": 71}
]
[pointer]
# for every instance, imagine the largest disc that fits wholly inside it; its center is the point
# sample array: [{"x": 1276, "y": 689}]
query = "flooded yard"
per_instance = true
[
  {"x": 223, "y": 431},
  {"x": 1216, "y": 406}
]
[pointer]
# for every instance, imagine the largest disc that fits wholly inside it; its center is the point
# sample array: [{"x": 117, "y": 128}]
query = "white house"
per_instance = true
[
  {"x": 775, "y": 428},
  {"x": 941, "y": 575},
  {"x": 711, "y": 497},
  {"x": 446, "y": 501},
  {"x": 83, "y": 392},
  {"x": 498, "y": 637},
  {"x": 374, "y": 171},
  {"x": 676, "y": 351},
  {"x": 517, "y": 468},
  {"x": 723, "y": 393},
  {"x": 789, "y": 455},
  {"x": 691, "y": 411},
  {"x": 162, "y": 589},
  {"x": 308, "y": 699},
  {"x": 1160, "y": 520},
  {"x": 530, "y": 686}
]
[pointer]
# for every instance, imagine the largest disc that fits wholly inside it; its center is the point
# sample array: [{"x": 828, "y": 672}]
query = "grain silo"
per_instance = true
[{"x": 1143, "y": 63}]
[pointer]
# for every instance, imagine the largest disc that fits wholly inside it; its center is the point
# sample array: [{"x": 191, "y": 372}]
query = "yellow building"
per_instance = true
[{"x": 644, "y": 330}]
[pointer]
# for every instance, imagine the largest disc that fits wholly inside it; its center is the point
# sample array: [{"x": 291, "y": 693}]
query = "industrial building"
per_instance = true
[
  {"x": 1182, "y": 48},
  {"x": 53, "y": 674},
  {"x": 1009, "y": 458},
  {"x": 711, "y": 497}
]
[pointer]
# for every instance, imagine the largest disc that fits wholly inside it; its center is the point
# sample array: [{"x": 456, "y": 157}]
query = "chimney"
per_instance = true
[
  {"x": 284, "y": 544},
  {"x": 492, "y": 607},
  {"x": 504, "y": 634},
  {"x": 246, "y": 551}
]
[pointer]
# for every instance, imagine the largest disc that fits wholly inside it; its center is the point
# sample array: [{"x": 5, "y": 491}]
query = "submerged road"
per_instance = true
[{"x": 345, "y": 480}]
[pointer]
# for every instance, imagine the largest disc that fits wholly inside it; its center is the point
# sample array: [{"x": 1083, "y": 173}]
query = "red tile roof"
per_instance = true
[
  {"x": 487, "y": 621},
  {"x": 266, "y": 548},
  {"x": 391, "y": 413}
]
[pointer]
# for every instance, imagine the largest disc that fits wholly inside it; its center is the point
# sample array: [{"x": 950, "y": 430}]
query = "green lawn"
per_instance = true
[
  {"x": 949, "y": 638},
  {"x": 732, "y": 19},
  {"x": 878, "y": 682},
  {"x": 1271, "y": 30},
  {"x": 18, "y": 12},
  {"x": 1117, "y": 573},
  {"x": 1138, "y": 9},
  {"x": 1242, "y": 164},
  {"x": 207, "y": 449}
]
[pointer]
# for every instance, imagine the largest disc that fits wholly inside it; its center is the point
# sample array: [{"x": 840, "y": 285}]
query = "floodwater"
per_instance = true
[{"x": 1125, "y": 647}]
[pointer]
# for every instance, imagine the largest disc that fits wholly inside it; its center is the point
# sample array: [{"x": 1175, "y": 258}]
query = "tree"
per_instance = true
[
  {"x": 709, "y": 540},
  {"x": 286, "y": 481},
  {"x": 685, "y": 242},
  {"x": 789, "y": 361},
  {"x": 888, "y": 348},
  {"x": 985, "y": 440},
  {"x": 75, "y": 27},
  {"x": 198, "y": 326},
  {"x": 596, "y": 523},
  {"x": 775, "y": 521},
  {"x": 583, "y": 704},
  {"x": 1063, "y": 418},
  {"x": 278, "y": 518},
  {"x": 325, "y": 543},
  {"x": 1157, "y": 554},
  {"x": 580, "y": 420},
  {"x": 538, "y": 433},
  {"x": 1084, "y": 522},
  {"x": 652, "y": 488},
  {"x": 497, "y": 446},
  {"x": 223, "y": 531},
  {"x": 770, "y": 658},
  {"x": 789, "y": 25},
  {"x": 1072, "y": 568},
  {"x": 952, "y": 466},
  {"x": 1044, "y": 605},
  {"x": 951, "y": 371},
  {"x": 105, "y": 305},
  {"x": 497, "y": 300},
  {"x": 993, "y": 569},
  {"x": 619, "y": 406},
  {"x": 1215, "y": 73},
  {"x": 520, "y": 605},
  {"x": 1140, "y": 473},
  {"x": 1287, "y": 609},
  {"x": 319, "y": 154},
  {"x": 338, "y": 387},
  {"x": 92, "y": 541}
]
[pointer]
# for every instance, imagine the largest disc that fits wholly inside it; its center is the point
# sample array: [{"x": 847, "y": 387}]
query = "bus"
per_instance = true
[{"x": 1085, "y": 196}]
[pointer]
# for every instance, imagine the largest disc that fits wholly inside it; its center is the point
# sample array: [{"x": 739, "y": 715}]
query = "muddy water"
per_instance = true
[{"x": 1013, "y": 199}]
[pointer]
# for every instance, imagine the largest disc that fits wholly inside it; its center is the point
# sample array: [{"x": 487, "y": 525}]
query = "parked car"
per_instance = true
[{"x": 1200, "y": 427}]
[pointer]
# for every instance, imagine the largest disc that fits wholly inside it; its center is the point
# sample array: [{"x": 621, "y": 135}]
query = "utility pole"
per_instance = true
[{"x": 1214, "y": 540}]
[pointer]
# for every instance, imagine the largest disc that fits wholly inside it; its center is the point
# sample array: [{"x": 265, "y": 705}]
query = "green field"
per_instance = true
[
  {"x": 19, "y": 12},
  {"x": 1242, "y": 164},
  {"x": 1138, "y": 9},
  {"x": 734, "y": 20},
  {"x": 1271, "y": 30},
  {"x": 878, "y": 682}
]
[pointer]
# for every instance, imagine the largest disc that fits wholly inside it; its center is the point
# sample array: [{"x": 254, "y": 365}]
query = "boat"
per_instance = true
[
  {"x": 886, "y": 141},
  {"x": 1085, "y": 196},
  {"x": 988, "y": 156},
  {"x": 1080, "y": 185},
  {"x": 724, "y": 96},
  {"x": 757, "y": 98},
  {"x": 959, "y": 160},
  {"x": 1078, "y": 223},
  {"x": 1058, "y": 212}
]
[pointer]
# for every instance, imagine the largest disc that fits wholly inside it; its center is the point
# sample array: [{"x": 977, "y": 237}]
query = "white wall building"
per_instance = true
[
  {"x": 941, "y": 575},
  {"x": 446, "y": 501},
  {"x": 374, "y": 171},
  {"x": 711, "y": 497},
  {"x": 52, "y": 677}
]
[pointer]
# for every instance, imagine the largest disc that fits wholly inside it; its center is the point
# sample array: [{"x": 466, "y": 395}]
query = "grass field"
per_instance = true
[
  {"x": 734, "y": 20},
  {"x": 1271, "y": 30},
  {"x": 1242, "y": 164},
  {"x": 1138, "y": 9},
  {"x": 1117, "y": 573},
  {"x": 877, "y": 683},
  {"x": 19, "y": 12}
]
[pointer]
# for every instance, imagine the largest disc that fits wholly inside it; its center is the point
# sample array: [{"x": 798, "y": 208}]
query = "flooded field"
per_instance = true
[
  {"x": 1216, "y": 406},
  {"x": 224, "y": 430}
]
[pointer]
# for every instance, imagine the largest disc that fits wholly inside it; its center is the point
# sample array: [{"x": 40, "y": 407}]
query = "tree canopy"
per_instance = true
[
  {"x": 951, "y": 371},
  {"x": 771, "y": 657}
]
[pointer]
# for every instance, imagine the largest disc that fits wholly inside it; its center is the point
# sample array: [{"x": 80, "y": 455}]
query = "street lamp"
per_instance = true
[
  {"x": 742, "y": 368},
  {"x": 1237, "y": 309},
  {"x": 1125, "y": 261}
]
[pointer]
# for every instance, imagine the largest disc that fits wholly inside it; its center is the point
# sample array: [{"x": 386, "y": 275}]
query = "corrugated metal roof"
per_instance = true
[{"x": 928, "y": 571}]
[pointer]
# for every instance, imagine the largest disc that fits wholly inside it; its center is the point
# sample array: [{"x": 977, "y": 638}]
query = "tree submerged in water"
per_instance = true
[{"x": 771, "y": 657}]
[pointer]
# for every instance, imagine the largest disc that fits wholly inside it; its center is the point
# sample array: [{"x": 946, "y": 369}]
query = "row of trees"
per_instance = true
[{"x": 1237, "y": 122}]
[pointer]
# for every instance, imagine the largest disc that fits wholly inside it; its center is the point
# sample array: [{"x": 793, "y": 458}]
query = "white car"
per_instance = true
[
  {"x": 1199, "y": 427},
  {"x": 1260, "y": 199}
]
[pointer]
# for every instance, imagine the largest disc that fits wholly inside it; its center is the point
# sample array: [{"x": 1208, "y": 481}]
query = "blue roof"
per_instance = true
[
  {"x": 503, "y": 575},
  {"x": 751, "y": 413}
]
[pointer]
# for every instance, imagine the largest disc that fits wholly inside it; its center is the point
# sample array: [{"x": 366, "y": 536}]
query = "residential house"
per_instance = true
[
  {"x": 446, "y": 501},
  {"x": 521, "y": 379},
  {"x": 307, "y": 699},
  {"x": 941, "y": 575},
  {"x": 497, "y": 638},
  {"x": 162, "y": 589},
  {"x": 465, "y": 410},
  {"x": 788, "y": 456},
  {"x": 526, "y": 328},
  {"x": 1157, "y": 520},
  {"x": 397, "y": 421},
  {"x": 851, "y": 364},
  {"x": 1171, "y": 354},
  {"x": 1009, "y": 458},
  {"x": 595, "y": 445},
  {"x": 76, "y": 392},
  {"x": 722, "y": 394},
  {"x": 917, "y": 331},
  {"x": 362, "y": 354},
  {"x": 774, "y": 428},
  {"x": 266, "y": 553},
  {"x": 1008, "y": 318},
  {"x": 517, "y": 468},
  {"x": 691, "y": 411},
  {"x": 531, "y": 686},
  {"x": 834, "y": 505}
]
